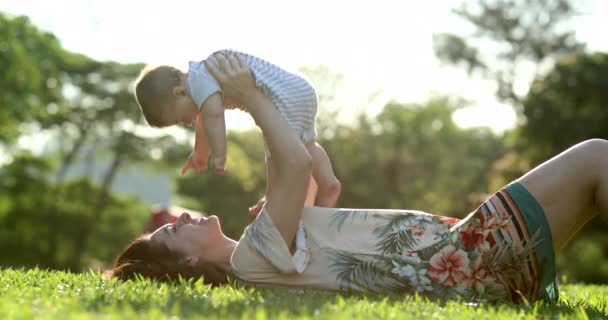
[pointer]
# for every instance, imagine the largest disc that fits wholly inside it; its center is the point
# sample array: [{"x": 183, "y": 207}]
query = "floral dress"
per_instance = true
[{"x": 502, "y": 251}]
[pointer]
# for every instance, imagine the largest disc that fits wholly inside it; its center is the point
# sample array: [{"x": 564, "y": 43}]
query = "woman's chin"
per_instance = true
[{"x": 213, "y": 219}]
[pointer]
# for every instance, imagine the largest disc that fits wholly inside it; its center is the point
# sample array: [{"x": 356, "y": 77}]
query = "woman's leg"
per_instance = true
[
  {"x": 270, "y": 176},
  {"x": 328, "y": 186},
  {"x": 571, "y": 187}
]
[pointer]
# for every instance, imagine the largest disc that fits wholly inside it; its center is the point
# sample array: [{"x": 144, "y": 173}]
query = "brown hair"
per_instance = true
[
  {"x": 154, "y": 91},
  {"x": 155, "y": 261}
]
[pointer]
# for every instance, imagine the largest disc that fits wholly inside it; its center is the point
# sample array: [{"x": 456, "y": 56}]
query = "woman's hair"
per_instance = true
[{"x": 155, "y": 261}]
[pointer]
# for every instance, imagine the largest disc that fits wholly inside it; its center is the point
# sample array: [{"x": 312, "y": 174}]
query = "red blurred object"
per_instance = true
[{"x": 160, "y": 216}]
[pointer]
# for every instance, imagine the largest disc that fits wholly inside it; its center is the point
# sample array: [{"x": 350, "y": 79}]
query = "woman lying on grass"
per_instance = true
[{"x": 503, "y": 251}]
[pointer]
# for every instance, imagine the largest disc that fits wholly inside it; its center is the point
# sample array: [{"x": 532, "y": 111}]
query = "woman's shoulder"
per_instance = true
[
  {"x": 246, "y": 262},
  {"x": 262, "y": 248}
]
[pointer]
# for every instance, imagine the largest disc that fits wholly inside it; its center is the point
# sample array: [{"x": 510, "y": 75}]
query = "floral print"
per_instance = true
[
  {"x": 417, "y": 278},
  {"x": 473, "y": 238},
  {"x": 449, "y": 266},
  {"x": 444, "y": 257},
  {"x": 502, "y": 251}
]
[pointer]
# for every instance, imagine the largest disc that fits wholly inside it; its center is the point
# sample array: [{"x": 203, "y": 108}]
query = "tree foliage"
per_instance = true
[
  {"x": 509, "y": 33},
  {"x": 29, "y": 60},
  {"x": 80, "y": 101},
  {"x": 567, "y": 105},
  {"x": 24, "y": 224}
]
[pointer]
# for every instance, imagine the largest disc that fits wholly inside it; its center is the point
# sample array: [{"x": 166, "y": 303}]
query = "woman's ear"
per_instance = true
[{"x": 192, "y": 260}]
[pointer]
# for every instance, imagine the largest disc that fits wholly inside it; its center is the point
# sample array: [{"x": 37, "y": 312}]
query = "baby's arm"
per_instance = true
[
  {"x": 200, "y": 155},
  {"x": 215, "y": 131}
]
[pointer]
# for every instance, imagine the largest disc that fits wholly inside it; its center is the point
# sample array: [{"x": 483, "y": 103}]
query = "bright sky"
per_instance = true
[{"x": 378, "y": 44}]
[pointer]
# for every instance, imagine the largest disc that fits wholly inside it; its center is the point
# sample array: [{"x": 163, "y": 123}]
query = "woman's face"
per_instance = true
[{"x": 190, "y": 237}]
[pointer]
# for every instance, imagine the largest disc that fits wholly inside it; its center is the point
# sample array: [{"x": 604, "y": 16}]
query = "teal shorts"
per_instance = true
[{"x": 542, "y": 257}]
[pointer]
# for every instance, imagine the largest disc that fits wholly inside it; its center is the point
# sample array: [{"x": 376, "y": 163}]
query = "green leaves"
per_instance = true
[
  {"x": 507, "y": 34},
  {"x": 30, "y": 78},
  {"x": 567, "y": 105}
]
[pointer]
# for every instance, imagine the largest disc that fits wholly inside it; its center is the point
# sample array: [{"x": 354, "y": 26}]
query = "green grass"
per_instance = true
[{"x": 39, "y": 294}]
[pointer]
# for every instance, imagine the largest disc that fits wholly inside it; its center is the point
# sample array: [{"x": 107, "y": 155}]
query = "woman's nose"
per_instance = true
[{"x": 185, "y": 217}]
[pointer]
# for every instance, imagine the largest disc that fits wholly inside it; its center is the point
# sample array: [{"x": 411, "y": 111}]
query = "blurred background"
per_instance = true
[{"x": 428, "y": 105}]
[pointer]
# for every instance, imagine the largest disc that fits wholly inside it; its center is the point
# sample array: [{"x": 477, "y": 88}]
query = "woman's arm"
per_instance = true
[{"x": 285, "y": 201}]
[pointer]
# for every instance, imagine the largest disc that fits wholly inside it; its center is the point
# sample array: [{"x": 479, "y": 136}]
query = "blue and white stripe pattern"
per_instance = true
[{"x": 294, "y": 96}]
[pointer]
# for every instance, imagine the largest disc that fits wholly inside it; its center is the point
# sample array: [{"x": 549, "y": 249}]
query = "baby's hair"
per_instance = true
[{"x": 154, "y": 92}]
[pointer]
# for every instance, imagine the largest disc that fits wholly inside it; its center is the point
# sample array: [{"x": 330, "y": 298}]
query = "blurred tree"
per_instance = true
[
  {"x": 565, "y": 103},
  {"x": 102, "y": 106},
  {"x": 566, "y": 106},
  {"x": 510, "y": 34},
  {"x": 413, "y": 156},
  {"x": 82, "y": 100},
  {"x": 563, "y": 107},
  {"x": 25, "y": 192},
  {"x": 29, "y": 60}
]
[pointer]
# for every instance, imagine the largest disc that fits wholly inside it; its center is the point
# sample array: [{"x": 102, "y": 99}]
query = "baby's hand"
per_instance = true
[
  {"x": 197, "y": 161},
  {"x": 219, "y": 164}
]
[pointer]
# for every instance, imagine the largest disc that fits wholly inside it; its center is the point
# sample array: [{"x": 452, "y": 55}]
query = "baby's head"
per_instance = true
[{"x": 163, "y": 98}]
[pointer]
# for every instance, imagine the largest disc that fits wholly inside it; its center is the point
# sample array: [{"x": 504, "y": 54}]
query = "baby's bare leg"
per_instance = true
[
  {"x": 572, "y": 188},
  {"x": 329, "y": 187}
]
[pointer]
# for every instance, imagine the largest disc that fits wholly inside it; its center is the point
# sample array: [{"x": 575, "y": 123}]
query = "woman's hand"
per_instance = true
[{"x": 234, "y": 76}]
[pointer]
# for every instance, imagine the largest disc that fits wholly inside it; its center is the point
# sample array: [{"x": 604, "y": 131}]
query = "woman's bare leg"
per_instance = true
[
  {"x": 571, "y": 187},
  {"x": 270, "y": 176},
  {"x": 311, "y": 194},
  {"x": 329, "y": 187}
]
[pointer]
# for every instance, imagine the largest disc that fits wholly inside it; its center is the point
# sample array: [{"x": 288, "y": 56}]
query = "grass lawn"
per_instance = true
[{"x": 38, "y": 294}]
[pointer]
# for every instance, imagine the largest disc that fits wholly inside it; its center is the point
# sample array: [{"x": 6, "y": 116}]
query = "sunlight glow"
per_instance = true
[{"x": 378, "y": 45}]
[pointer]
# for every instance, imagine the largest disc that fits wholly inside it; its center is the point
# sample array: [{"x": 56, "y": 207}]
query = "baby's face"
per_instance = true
[{"x": 185, "y": 111}]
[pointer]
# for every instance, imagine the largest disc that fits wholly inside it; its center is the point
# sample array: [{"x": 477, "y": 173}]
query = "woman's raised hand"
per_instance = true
[{"x": 234, "y": 76}]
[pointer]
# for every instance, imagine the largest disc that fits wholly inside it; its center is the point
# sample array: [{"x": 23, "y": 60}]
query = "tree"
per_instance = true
[
  {"x": 24, "y": 224},
  {"x": 29, "y": 60},
  {"x": 413, "y": 156},
  {"x": 81, "y": 100},
  {"x": 509, "y": 34},
  {"x": 566, "y": 106}
]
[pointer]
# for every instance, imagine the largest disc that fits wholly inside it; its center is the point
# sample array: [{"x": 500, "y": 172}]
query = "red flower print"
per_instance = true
[
  {"x": 449, "y": 266},
  {"x": 474, "y": 237}
]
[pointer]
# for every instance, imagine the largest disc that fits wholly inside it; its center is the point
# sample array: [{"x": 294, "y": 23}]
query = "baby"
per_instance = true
[{"x": 168, "y": 96}]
